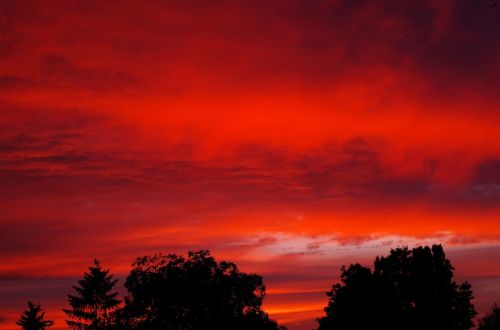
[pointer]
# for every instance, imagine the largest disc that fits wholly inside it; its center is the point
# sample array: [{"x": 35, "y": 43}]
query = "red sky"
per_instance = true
[{"x": 288, "y": 136}]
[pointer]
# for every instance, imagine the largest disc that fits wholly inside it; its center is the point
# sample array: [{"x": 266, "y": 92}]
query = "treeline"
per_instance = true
[{"x": 408, "y": 289}]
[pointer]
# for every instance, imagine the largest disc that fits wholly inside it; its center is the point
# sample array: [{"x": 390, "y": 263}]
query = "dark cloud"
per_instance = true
[
  {"x": 488, "y": 172},
  {"x": 14, "y": 82},
  {"x": 62, "y": 72},
  {"x": 409, "y": 50}
]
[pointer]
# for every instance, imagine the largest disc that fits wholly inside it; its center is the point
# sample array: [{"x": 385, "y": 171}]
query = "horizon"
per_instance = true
[{"x": 290, "y": 137}]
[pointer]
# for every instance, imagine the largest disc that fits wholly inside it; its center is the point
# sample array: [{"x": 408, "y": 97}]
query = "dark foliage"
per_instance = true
[
  {"x": 94, "y": 304},
  {"x": 33, "y": 318},
  {"x": 173, "y": 292},
  {"x": 491, "y": 321},
  {"x": 409, "y": 289}
]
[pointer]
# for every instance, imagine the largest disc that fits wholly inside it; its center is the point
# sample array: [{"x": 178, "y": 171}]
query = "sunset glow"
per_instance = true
[{"x": 291, "y": 137}]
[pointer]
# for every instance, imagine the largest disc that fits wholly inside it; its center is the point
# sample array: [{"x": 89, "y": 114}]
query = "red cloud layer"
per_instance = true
[{"x": 277, "y": 134}]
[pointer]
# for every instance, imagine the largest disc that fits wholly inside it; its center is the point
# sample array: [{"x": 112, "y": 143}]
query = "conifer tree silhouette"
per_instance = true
[
  {"x": 491, "y": 321},
  {"x": 33, "y": 318},
  {"x": 94, "y": 303}
]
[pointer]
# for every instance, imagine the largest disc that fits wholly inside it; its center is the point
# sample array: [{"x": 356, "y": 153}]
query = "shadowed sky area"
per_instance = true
[{"x": 288, "y": 136}]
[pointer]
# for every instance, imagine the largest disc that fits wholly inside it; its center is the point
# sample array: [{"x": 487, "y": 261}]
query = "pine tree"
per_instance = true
[
  {"x": 32, "y": 318},
  {"x": 93, "y": 304}
]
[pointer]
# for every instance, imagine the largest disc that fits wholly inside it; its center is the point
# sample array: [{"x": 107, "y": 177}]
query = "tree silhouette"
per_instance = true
[
  {"x": 33, "y": 318},
  {"x": 491, "y": 321},
  {"x": 409, "y": 289},
  {"x": 94, "y": 304},
  {"x": 174, "y": 292}
]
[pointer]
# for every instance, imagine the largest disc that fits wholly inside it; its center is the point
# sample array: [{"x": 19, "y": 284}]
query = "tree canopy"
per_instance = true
[
  {"x": 197, "y": 292},
  {"x": 408, "y": 289},
  {"x": 33, "y": 318},
  {"x": 93, "y": 305},
  {"x": 491, "y": 321}
]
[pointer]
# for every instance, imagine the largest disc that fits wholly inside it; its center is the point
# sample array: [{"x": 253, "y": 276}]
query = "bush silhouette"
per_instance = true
[
  {"x": 174, "y": 292},
  {"x": 491, "y": 321},
  {"x": 33, "y": 318},
  {"x": 408, "y": 289}
]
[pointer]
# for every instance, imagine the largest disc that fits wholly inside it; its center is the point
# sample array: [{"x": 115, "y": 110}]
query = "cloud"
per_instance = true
[
  {"x": 281, "y": 134},
  {"x": 488, "y": 172},
  {"x": 63, "y": 72}
]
